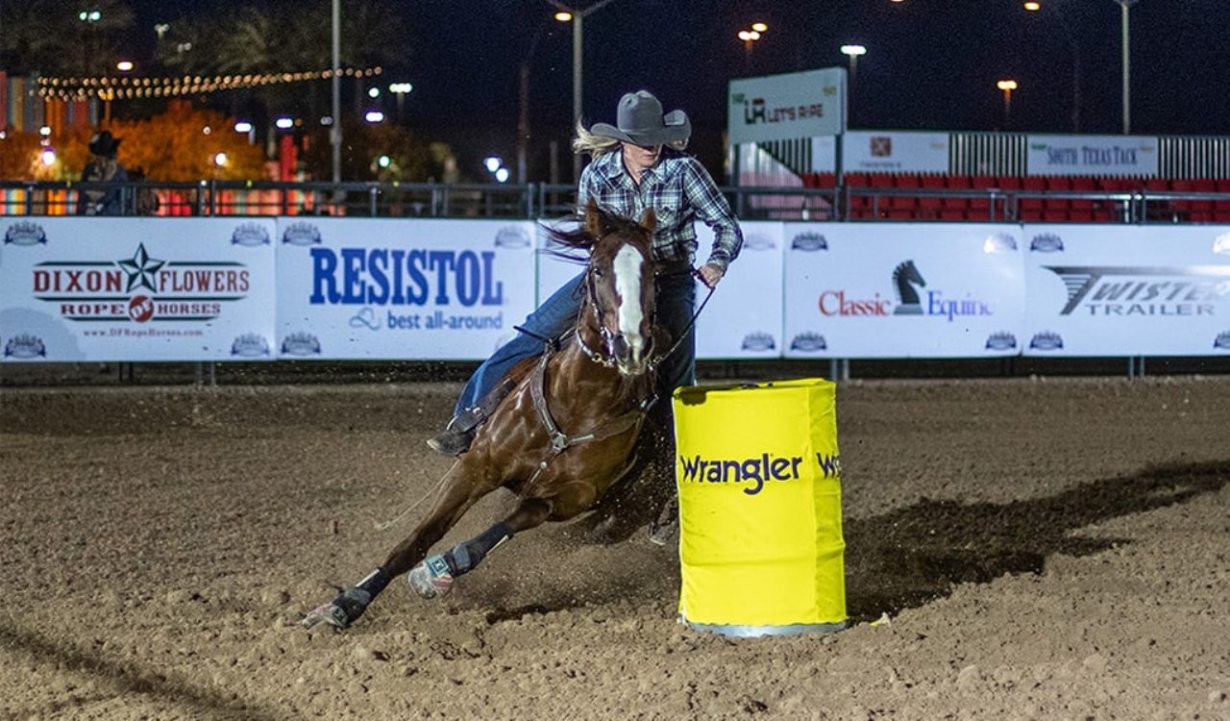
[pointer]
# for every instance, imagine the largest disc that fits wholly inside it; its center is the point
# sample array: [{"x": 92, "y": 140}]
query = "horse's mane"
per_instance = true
[{"x": 574, "y": 244}]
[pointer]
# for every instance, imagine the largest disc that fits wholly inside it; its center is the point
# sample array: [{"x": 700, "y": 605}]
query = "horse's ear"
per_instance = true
[
  {"x": 594, "y": 220},
  {"x": 649, "y": 219}
]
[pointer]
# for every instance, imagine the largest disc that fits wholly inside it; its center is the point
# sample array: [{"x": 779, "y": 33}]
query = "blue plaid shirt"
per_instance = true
[{"x": 679, "y": 190}]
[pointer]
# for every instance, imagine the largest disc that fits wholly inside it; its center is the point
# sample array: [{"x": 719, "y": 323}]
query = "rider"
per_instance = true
[{"x": 638, "y": 164}]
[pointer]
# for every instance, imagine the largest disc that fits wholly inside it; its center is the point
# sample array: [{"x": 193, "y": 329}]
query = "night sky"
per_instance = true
[{"x": 931, "y": 64}]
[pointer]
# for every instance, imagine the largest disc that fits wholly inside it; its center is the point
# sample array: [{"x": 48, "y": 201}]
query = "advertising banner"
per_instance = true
[
  {"x": 137, "y": 289},
  {"x": 792, "y": 105},
  {"x": 358, "y": 288},
  {"x": 894, "y": 152},
  {"x": 1142, "y": 290},
  {"x": 1091, "y": 155},
  {"x": 903, "y": 290},
  {"x": 743, "y": 318}
]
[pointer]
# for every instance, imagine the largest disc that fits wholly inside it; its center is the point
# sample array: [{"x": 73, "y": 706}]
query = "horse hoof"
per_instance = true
[
  {"x": 343, "y": 610},
  {"x": 431, "y": 578},
  {"x": 327, "y": 614}
]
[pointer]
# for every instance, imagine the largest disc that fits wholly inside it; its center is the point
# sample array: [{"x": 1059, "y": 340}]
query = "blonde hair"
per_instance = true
[{"x": 599, "y": 145}]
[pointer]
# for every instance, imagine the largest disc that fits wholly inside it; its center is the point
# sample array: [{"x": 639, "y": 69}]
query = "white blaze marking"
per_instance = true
[{"x": 627, "y": 268}]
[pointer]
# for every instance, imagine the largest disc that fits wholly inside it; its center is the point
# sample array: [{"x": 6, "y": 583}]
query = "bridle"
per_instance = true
[{"x": 608, "y": 339}]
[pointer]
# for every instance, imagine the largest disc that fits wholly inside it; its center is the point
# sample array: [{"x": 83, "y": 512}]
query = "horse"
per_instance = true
[{"x": 562, "y": 436}]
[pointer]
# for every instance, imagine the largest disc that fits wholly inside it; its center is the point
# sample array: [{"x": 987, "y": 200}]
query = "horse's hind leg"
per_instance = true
[
  {"x": 457, "y": 496},
  {"x": 434, "y": 576}
]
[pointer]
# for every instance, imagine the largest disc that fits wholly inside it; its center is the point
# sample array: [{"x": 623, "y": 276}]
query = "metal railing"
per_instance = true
[{"x": 539, "y": 200}]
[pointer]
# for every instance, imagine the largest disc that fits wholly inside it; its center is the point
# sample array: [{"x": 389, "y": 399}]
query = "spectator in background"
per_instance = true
[
  {"x": 148, "y": 201},
  {"x": 103, "y": 168}
]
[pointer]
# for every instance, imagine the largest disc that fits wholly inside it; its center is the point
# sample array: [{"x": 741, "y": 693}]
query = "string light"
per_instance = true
[{"x": 106, "y": 87}]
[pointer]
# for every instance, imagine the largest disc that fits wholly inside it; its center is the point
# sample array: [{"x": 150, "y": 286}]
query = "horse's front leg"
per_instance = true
[
  {"x": 434, "y": 576},
  {"x": 457, "y": 495}
]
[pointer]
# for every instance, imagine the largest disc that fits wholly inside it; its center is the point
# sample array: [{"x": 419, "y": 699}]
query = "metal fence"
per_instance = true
[{"x": 538, "y": 200}]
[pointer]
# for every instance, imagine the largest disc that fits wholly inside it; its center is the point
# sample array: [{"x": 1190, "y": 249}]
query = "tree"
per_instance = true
[
  {"x": 410, "y": 160},
  {"x": 62, "y": 37}
]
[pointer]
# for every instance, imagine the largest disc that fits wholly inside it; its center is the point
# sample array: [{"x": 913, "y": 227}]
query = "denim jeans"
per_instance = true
[{"x": 676, "y": 295}]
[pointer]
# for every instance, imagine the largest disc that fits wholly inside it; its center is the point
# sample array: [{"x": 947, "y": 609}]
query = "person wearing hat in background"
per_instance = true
[
  {"x": 638, "y": 164},
  {"x": 103, "y": 168}
]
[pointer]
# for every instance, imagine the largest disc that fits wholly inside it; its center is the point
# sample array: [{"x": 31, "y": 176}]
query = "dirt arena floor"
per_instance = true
[{"x": 1016, "y": 549}]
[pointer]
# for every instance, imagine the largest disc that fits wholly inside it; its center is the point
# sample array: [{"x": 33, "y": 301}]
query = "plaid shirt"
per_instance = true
[{"x": 679, "y": 190}]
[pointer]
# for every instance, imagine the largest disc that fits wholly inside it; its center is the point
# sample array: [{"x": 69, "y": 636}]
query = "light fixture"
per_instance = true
[
  {"x": 44, "y": 131},
  {"x": 502, "y": 175},
  {"x": 1033, "y": 7},
  {"x": 284, "y": 123},
  {"x": 563, "y": 16},
  {"x": 326, "y": 120},
  {"x": 384, "y": 161},
  {"x": 1006, "y": 85},
  {"x": 853, "y": 50},
  {"x": 374, "y": 116},
  {"x": 124, "y": 66},
  {"x": 47, "y": 156},
  {"x": 493, "y": 163},
  {"x": 243, "y": 126},
  {"x": 220, "y": 160},
  {"x": 400, "y": 87},
  {"x": 759, "y": 27},
  {"x": 373, "y": 92}
]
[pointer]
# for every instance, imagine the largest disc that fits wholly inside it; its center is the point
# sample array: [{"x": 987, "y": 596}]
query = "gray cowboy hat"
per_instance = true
[
  {"x": 104, "y": 144},
  {"x": 640, "y": 121}
]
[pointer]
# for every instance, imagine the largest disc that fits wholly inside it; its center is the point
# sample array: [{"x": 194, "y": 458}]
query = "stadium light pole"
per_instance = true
[
  {"x": 335, "y": 130},
  {"x": 576, "y": 16},
  {"x": 1007, "y": 86},
  {"x": 1126, "y": 6}
]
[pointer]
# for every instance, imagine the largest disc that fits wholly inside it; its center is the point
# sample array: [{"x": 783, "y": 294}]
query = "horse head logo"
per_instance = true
[{"x": 905, "y": 277}]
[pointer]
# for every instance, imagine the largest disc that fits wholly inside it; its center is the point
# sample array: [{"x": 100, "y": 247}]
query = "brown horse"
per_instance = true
[{"x": 563, "y": 435}]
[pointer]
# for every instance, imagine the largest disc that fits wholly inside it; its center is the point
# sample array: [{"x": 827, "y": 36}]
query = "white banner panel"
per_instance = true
[
  {"x": 902, "y": 290},
  {"x": 1140, "y": 290},
  {"x": 782, "y": 107},
  {"x": 360, "y": 288},
  {"x": 894, "y": 152},
  {"x": 1091, "y": 155},
  {"x": 137, "y": 289},
  {"x": 743, "y": 318}
]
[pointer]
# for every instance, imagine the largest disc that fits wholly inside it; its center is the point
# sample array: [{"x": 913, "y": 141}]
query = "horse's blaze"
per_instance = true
[{"x": 631, "y": 356}]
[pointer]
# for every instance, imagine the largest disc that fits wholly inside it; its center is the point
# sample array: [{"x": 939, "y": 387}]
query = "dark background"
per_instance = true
[{"x": 931, "y": 64}]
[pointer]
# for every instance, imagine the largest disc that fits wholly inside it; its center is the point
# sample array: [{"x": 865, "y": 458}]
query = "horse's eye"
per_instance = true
[{"x": 597, "y": 272}]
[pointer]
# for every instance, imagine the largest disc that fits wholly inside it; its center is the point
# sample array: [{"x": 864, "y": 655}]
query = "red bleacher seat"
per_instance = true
[
  {"x": 880, "y": 180},
  {"x": 956, "y": 182},
  {"x": 1083, "y": 183},
  {"x": 1055, "y": 216},
  {"x": 1009, "y": 182},
  {"x": 953, "y": 214},
  {"x": 858, "y": 180},
  {"x": 1058, "y": 182},
  {"x": 906, "y": 181}
]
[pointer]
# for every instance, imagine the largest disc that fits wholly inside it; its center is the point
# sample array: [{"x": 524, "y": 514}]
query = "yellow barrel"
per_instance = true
[{"x": 759, "y": 479}]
